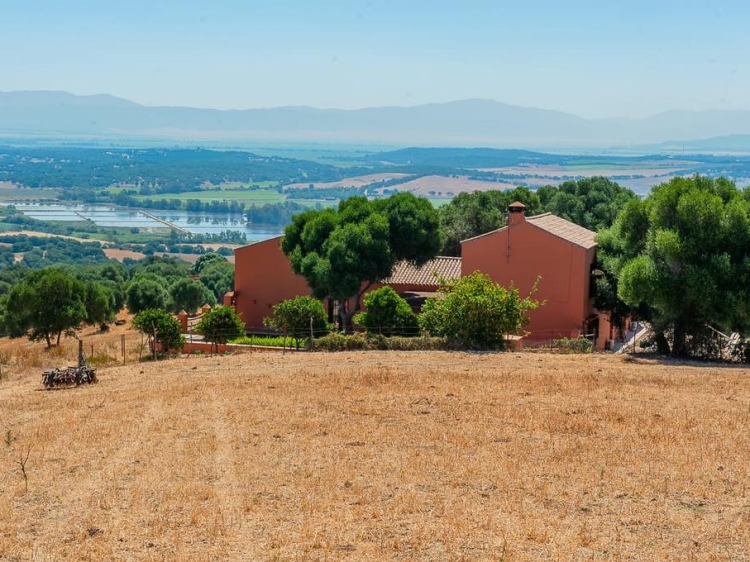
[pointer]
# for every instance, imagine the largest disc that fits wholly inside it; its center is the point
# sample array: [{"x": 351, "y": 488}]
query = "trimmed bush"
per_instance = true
[
  {"x": 387, "y": 313},
  {"x": 573, "y": 345}
]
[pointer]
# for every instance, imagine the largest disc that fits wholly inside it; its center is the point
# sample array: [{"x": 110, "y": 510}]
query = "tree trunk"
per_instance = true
[
  {"x": 58, "y": 338},
  {"x": 679, "y": 347},
  {"x": 346, "y": 314},
  {"x": 662, "y": 345},
  {"x": 49, "y": 342}
]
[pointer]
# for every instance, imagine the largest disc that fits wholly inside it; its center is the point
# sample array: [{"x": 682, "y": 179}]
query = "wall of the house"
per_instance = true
[
  {"x": 263, "y": 277},
  {"x": 524, "y": 252}
]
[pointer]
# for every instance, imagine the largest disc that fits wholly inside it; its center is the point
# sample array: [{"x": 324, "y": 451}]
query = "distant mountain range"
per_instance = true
[{"x": 459, "y": 123}]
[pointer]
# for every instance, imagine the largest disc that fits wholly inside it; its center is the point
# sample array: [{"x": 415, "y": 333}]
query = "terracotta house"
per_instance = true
[
  {"x": 557, "y": 252},
  {"x": 546, "y": 247},
  {"x": 263, "y": 277}
]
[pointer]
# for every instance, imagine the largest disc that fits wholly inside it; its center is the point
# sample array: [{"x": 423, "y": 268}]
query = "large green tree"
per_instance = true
[
  {"x": 47, "y": 303},
  {"x": 146, "y": 292},
  {"x": 341, "y": 252},
  {"x": 217, "y": 275},
  {"x": 189, "y": 295},
  {"x": 682, "y": 257}
]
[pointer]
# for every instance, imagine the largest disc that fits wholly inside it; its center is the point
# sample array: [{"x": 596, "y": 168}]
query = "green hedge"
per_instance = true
[
  {"x": 573, "y": 345},
  {"x": 361, "y": 342}
]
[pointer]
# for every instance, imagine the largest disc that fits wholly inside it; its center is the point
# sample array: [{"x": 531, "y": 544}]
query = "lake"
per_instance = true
[{"x": 103, "y": 215}]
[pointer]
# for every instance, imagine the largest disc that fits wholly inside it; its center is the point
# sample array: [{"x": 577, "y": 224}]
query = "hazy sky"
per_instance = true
[{"x": 594, "y": 58}]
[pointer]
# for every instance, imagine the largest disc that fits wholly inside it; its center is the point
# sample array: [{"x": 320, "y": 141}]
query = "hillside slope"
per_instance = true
[{"x": 374, "y": 456}]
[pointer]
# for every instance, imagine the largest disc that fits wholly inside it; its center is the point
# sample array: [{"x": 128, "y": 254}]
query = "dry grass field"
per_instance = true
[
  {"x": 379, "y": 456},
  {"x": 444, "y": 185},
  {"x": 355, "y": 181}
]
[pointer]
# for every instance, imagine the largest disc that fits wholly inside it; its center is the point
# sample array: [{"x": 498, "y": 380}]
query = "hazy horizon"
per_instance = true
[{"x": 583, "y": 57}]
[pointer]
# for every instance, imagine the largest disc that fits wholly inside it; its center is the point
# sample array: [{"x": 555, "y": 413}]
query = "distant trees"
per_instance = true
[
  {"x": 681, "y": 258},
  {"x": 342, "y": 252},
  {"x": 591, "y": 202},
  {"x": 189, "y": 295},
  {"x": 471, "y": 214},
  {"x": 146, "y": 293}
]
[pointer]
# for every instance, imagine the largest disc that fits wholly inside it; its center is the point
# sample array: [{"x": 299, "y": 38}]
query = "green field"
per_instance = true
[{"x": 255, "y": 196}]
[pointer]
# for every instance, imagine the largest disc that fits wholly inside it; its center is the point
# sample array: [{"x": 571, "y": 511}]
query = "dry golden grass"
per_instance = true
[
  {"x": 449, "y": 184},
  {"x": 379, "y": 456}
]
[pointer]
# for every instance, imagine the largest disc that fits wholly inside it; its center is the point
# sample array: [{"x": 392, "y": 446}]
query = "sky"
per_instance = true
[{"x": 592, "y": 58}]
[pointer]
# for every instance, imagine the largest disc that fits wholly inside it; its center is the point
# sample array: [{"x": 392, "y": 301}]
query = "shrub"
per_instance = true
[
  {"x": 574, "y": 345},
  {"x": 296, "y": 317},
  {"x": 220, "y": 324},
  {"x": 475, "y": 312},
  {"x": 161, "y": 328},
  {"x": 387, "y": 313}
]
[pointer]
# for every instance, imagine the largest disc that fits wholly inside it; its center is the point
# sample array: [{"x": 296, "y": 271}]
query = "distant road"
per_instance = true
[{"x": 164, "y": 222}]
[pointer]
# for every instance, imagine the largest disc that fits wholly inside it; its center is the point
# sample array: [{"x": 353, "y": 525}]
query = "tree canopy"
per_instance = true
[
  {"x": 591, "y": 202},
  {"x": 48, "y": 303},
  {"x": 341, "y": 252},
  {"x": 682, "y": 258}
]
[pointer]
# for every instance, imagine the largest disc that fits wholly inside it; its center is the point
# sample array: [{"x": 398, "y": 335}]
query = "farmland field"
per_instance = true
[
  {"x": 255, "y": 196},
  {"x": 449, "y": 185},
  {"x": 378, "y": 456}
]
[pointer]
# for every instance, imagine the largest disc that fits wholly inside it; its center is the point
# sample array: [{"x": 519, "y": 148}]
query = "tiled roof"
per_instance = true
[
  {"x": 556, "y": 226},
  {"x": 428, "y": 274},
  {"x": 564, "y": 229}
]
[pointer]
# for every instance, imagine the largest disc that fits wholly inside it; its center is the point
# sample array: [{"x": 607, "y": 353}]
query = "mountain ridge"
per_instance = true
[{"x": 463, "y": 122}]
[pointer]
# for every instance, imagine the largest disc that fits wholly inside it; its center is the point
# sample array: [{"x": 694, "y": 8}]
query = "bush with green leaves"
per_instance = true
[
  {"x": 161, "y": 328},
  {"x": 297, "y": 317},
  {"x": 359, "y": 342},
  {"x": 475, "y": 312},
  {"x": 387, "y": 313},
  {"x": 573, "y": 345},
  {"x": 220, "y": 324}
]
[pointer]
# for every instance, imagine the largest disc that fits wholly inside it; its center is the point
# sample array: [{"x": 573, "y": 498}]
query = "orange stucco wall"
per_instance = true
[
  {"x": 263, "y": 277},
  {"x": 521, "y": 253}
]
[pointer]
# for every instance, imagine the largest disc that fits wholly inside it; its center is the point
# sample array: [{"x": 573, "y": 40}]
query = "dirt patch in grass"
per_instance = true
[
  {"x": 380, "y": 456},
  {"x": 120, "y": 255}
]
